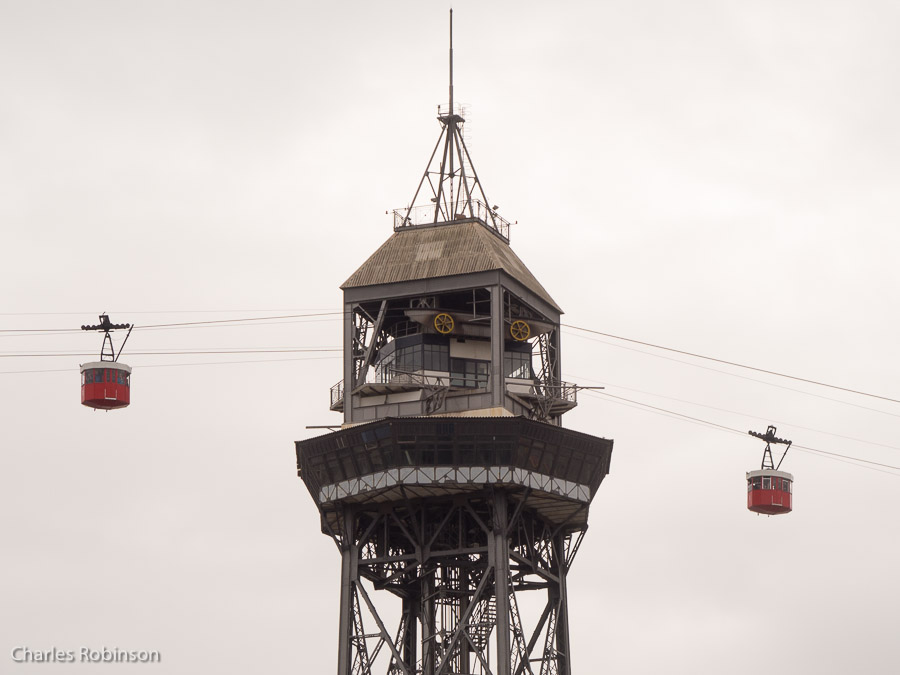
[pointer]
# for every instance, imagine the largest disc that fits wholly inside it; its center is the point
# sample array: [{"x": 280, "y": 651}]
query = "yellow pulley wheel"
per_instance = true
[
  {"x": 519, "y": 330},
  {"x": 443, "y": 323}
]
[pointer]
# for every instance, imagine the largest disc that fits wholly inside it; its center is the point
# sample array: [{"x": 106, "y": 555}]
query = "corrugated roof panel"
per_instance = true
[{"x": 443, "y": 251}]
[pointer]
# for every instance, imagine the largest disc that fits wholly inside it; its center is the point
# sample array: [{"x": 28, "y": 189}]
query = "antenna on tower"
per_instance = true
[
  {"x": 455, "y": 194},
  {"x": 451, "y": 61}
]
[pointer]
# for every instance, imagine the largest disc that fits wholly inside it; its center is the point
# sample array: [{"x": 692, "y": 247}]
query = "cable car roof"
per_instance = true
[
  {"x": 114, "y": 365},
  {"x": 769, "y": 472}
]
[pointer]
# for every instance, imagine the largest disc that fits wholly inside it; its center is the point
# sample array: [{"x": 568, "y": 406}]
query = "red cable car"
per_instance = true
[
  {"x": 769, "y": 491},
  {"x": 106, "y": 384}
]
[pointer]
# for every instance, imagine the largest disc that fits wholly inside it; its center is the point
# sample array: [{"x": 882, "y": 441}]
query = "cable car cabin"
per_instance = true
[
  {"x": 769, "y": 491},
  {"x": 105, "y": 385}
]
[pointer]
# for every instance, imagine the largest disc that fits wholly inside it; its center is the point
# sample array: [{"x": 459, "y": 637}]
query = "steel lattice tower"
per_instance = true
[{"x": 451, "y": 486}]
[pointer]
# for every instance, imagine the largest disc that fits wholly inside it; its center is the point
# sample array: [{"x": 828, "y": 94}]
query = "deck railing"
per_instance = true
[
  {"x": 337, "y": 394},
  {"x": 466, "y": 209},
  {"x": 562, "y": 391}
]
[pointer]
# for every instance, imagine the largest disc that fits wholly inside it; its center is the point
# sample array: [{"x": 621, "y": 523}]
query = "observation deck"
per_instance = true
[{"x": 553, "y": 471}]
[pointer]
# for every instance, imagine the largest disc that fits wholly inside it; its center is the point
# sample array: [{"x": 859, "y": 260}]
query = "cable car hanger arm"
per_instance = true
[{"x": 122, "y": 346}]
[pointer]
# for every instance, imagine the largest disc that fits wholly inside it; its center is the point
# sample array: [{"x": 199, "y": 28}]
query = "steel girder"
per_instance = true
[{"x": 458, "y": 567}]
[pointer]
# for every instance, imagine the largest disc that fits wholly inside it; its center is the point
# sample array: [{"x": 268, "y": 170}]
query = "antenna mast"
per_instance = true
[
  {"x": 451, "y": 61},
  {"x": 455, "y": 195}
]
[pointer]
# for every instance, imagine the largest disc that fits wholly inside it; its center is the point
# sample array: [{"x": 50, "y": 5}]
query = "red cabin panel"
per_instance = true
[
  {"x": 105, "y": 385},
  {"x": 770, "y": 492}
]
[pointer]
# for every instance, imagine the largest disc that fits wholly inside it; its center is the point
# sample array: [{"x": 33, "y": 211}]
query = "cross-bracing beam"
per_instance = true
[{"x": 458, "y": 565}]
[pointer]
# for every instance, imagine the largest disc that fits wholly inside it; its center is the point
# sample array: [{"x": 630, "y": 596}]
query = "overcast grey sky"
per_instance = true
[{"x": 718, "y": 177}]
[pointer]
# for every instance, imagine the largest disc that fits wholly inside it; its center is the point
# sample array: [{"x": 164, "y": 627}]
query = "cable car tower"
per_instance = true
[
  {"x": 451, "y": 489},
  {"x": 106, "y": 384},
  {"x": 770, "y": 491}
]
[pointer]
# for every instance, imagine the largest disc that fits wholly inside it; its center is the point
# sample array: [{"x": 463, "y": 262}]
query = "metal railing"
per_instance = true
[
  {"x": 466, "y": 209},
  {"x": 563, "y": 391},
  {"x": 337, "y": 394},
  {"x": 423, "y": 379}
]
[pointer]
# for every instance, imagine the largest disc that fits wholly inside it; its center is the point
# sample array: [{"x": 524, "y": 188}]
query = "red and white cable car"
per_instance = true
[
  {"x": 770, "y": 491},
  {"x": 106, "y": 384}
]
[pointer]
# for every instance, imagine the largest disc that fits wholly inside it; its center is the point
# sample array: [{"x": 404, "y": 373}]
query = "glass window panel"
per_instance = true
[{"x": 517, "y": 365}]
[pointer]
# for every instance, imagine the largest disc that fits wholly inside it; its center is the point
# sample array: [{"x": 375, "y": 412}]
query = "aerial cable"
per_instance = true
[
  {"x": 183, "y": 323},
  {"x": 175, "y": 365},
  {"x": 732, "y": 363},
  {"x": 737, "y": 412},
  {"x": 167, "y": 311},
  {"x": 185, "y": 352},
  {"x": 738, "y": 375},
  {"x": 722, "y": 427},
  {"x": 223, "y": 321},
  {"x": 244, "y": 321}
]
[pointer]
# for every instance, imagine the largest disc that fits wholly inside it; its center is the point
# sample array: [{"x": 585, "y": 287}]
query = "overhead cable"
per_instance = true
[
  {"x": 733, "y": 363},
  {"x": 742, "y": 433}
]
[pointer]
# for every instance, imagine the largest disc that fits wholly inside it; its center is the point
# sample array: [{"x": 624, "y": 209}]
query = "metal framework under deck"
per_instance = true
[
  {"x": 469, "y": 525},
  {"x": 457, "y": 567}
]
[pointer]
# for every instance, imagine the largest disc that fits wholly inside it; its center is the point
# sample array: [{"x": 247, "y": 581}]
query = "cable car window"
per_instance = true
[
  {"x": 88, "y": 376},
  {"x": 787, "y": 485},
  {"x": 128, "y": 379},
  {"x": 121, "y": 377},
  {"x": 756, "y": 482},
  {"x": 98, "y": 376},
  {"x": 766, "y": 483}
]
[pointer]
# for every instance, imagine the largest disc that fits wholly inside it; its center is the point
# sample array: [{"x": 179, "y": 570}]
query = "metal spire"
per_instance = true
[{"x": 456, "y": 191}]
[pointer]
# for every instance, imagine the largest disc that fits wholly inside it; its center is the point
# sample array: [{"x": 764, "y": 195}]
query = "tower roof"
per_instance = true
[{"x": 443, "y": 250}]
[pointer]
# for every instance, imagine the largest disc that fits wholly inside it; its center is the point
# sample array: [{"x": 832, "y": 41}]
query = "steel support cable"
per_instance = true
[
  {"x": 36, "y": 331},
  {"x": 742, "y": 377},
  {"x": 180, "y": 353},
  {"x": 737, "y": 412},
  {"x": 175, "y": 365},
  {"x": 166, "y": 311},
  {"x": 733, "y": 363},
  {"x": 188, "y": 327},
  {"x": 30, "y": 331},
  {"x": 738, "y": 431}
]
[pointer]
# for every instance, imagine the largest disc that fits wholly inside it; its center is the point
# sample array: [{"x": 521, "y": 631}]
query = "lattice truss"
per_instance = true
[
  {"x": 452, "y": 184},
  {"x": 459, "y": 568}
]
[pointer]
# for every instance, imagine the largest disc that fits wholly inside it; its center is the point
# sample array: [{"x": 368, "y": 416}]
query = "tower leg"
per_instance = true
[
  {"x": 348, "y": 566},
  {"x": 502, "y": 590},
  {"x": 562, "y": 619},
  {"x": 429, "y": 624},
  {"x": 409, "y": 646}
]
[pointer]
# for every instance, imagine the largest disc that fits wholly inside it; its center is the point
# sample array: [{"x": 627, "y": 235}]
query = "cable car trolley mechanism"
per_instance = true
[
  {"x": 106, "y": 384},
  {"x": 769, "y": 490}
]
